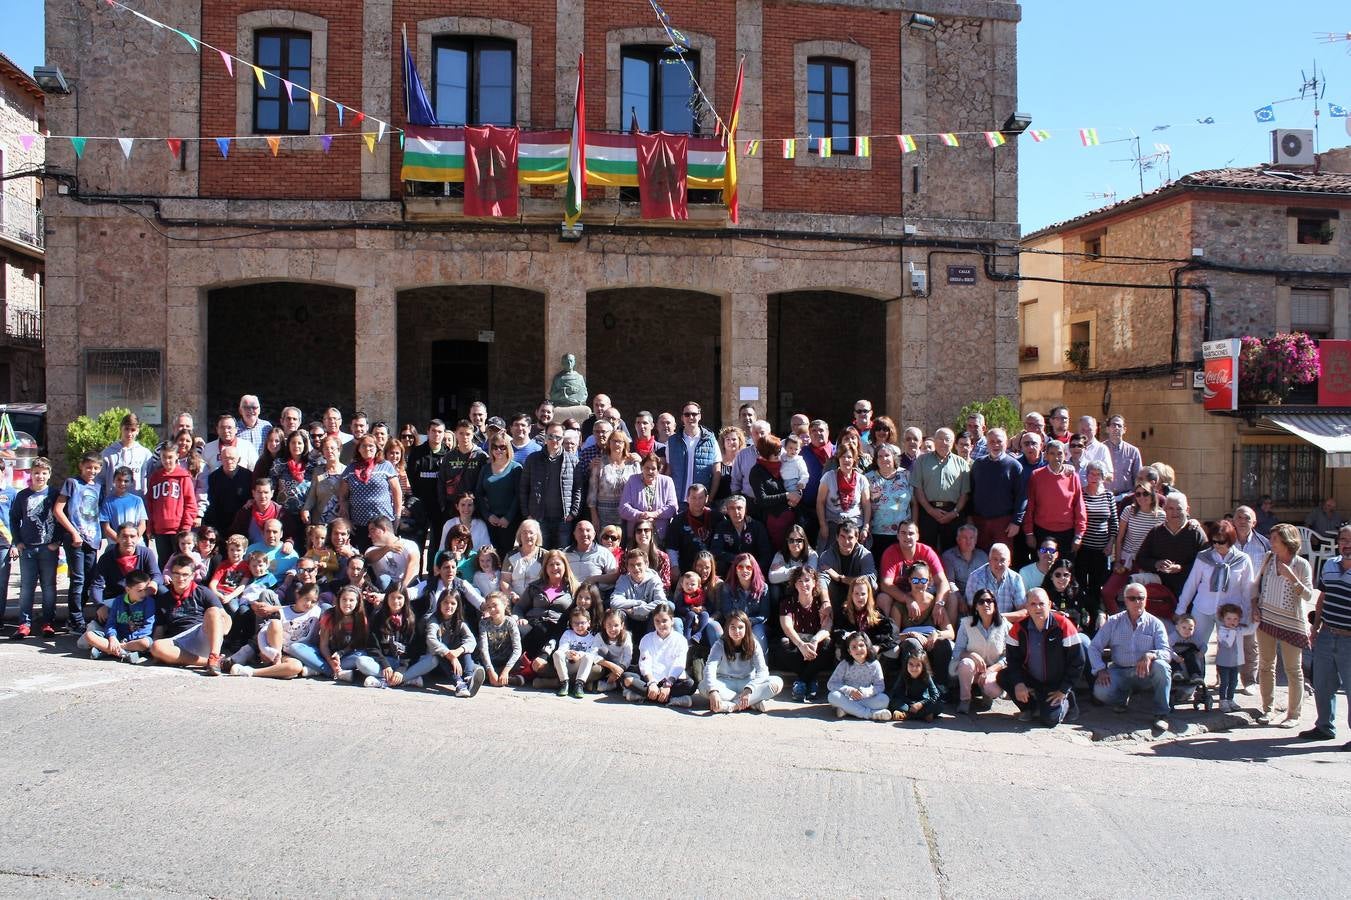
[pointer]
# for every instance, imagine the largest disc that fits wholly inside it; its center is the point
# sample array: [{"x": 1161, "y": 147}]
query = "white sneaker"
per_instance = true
[
  {"x": 373, "y": 682},
  {"x": 307, "y": 672},
  {"x": 882, "y": 715},
  {"x": 839, "y": 713},
  {"x": 245, "y": 671},
  {"x": 243, "y": 656},
  {"x": 762, "y": 706},
  {"x": 344, "y": 675},
  {"x": 269, "y": 654}
]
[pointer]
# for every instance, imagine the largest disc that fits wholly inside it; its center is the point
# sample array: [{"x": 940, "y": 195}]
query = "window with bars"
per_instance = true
[
  {"x": 1311, "y": 312},
  {"x": 283, "y": 55},
  {"x": 1292, "y": 474}
]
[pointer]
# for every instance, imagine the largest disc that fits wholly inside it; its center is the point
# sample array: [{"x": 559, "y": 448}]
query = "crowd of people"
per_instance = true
[{"x": 891, "y": 574}]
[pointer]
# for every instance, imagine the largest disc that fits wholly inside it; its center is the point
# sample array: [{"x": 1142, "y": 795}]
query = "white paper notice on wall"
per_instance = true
[{"x": 748, "y": 393}]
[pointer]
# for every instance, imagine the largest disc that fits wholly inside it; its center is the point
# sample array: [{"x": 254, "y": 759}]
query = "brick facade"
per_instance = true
[
  {"x": 416, "y": 270},
  {"x": 22, "y": 259}
]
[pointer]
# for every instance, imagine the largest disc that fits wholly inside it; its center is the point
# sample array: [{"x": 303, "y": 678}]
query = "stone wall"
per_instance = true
[
  {"x": 823, "y": 378},
  {"x": 289, "y": 343}
]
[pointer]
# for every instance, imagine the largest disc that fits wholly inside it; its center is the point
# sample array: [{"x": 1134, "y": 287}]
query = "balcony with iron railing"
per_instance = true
[
  {"x": 23, "y": 327},
  {"x": 21, "y": 221}
]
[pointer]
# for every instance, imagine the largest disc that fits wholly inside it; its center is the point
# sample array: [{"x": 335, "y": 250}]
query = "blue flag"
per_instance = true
[
  {"x": 419, "y": 108},
  {"x": 1265, "y": 114},
  {"x": 1337, "y": 112}
]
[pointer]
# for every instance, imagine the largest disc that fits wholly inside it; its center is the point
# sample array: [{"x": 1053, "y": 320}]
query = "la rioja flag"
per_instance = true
[
  {"x": 663, "y": 163},
  {"x": 490, "y": 159}
]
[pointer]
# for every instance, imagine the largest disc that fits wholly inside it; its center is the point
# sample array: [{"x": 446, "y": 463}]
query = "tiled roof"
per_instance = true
[
  {"x": 11, "y": 68},
  {"x": 1247, "y": 178}
]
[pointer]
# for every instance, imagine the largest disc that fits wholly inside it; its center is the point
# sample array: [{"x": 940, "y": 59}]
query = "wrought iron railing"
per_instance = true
[{"x": 22, "y": 221}]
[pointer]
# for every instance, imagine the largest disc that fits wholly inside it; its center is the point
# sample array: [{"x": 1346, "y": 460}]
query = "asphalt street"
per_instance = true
[{"x": 155, "y": 781}]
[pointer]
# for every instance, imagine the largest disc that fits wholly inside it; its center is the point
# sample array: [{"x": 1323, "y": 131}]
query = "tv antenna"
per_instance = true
[{"x": 1142, "y": 162}]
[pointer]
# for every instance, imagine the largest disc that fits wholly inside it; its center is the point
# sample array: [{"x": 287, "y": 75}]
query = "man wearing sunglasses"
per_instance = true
[{"x": 691, "y": 452}]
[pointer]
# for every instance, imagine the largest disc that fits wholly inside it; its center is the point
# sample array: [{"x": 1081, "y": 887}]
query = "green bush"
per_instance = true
[
  {"x": 999, "y": 412},
  {"x": 86, "y": 435}
]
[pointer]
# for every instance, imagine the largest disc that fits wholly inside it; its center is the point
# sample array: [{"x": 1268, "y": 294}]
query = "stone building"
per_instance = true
[
  {"x": 1217, "y": 254},
  {"x": 319, "y": 277},
  {"x": 21, "y": 238}
]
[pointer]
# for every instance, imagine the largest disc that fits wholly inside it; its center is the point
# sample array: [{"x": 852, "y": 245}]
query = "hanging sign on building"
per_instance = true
[
  {"x": 1334, "y": 376},
  {"x": 1221, "y": 367}
]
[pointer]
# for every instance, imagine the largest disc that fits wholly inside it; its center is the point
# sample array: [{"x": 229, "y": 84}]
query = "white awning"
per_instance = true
[{"x": 1330, "y": 432}]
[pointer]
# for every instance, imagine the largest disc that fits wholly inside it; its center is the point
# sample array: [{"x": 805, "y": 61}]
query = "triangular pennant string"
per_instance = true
[
  {"x": 258, "y": 73},
  {"x": 356, "y": 120},
  {"x": 341, "y": 110},
  {"x": 380, "y": 134},
  {"x": 229, "y": 63},
  {"x": 77, "y": 144},
  {"x": 26, "y": 141},
  {"x": 126, "y": 146},
  {"x": 400, "y": 140},
  {"x": 274, "y": 143},
  {"x": 175, "y": 145},
  {"x": 314, "y": 102},
  {"x": 326, "y": 140},
  {"x": 224, "y": 145},
  {"x": 370, "y": 141},
  {"x": 290, "y": 96},
  {"x": 192, "y": 41}
]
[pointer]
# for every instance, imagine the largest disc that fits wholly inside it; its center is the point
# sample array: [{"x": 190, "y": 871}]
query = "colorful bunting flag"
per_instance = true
[
  {"x": 949, "y": 139},
  {"x": 825, "y": 146},
  {"x": 1088, "y": 137},
  {"x": 380, "y": 132},
  {"x": 274, "y": 143},
  {"x": 77, "y": 144},
  {"x": 126, "y": 146},
  {"x": 1040, "y": 134},
  {"x": 907, "y": 143},
  {"x": 290, "y": 88},
  {"x": 401, "y": 140},
  {"x": 314, "y": 102},
  {"x": 192, "y": 41},
  {"x": 790, "y": 148},
  {"x": 175, "y": 145},
  {"x": 326, "y": 140},
  {"x": 258, "y": 73},
  {"x": 356, "y": 120},
  {"x": 1265, "y": 113},
  {"x": 995, "y": 139},
  {"x": 752, "y": 148},
  {"x": 229, "y": 63},
  {"x": 223, "y": 144},
  {"x": 369, "y": 137},
  {"x": 1337, "y": 111},
  {"x": 26, "y": 141},
  {"x": 341, "y": 110},
  {"x": 865, "y": 146}
]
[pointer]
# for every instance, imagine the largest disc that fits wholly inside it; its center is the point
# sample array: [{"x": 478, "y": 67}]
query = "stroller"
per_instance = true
[{"x": 1189, "y": 678}]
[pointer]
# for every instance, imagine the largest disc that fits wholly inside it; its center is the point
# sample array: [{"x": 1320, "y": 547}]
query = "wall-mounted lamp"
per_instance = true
[
  {"x": 921, "y": 22},
  {"x": 1016, "y": 123},
  {"x": 50, "y": 79}
]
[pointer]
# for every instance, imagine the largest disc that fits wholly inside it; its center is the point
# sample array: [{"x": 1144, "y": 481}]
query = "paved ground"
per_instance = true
[{"x": 152, "y": 781}]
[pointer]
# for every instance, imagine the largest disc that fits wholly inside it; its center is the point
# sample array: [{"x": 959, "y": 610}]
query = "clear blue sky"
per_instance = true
[{"x": 1122, "y": 68}]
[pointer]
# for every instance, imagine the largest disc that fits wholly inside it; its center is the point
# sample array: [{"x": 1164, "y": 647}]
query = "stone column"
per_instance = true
[
  {"x": 376, "y": 97},
  {"x": 564, "y": 330},
  {"x": 908, "y": 359},
  {"x": 750, "y": 43},
  {"x": 377, "y": 347},
  {"x": 745, "y": 351}
]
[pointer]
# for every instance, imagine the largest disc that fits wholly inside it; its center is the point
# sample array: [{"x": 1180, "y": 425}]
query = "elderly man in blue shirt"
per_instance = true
[
  {"x": 1139, "y": 646},
  {"x": 997, "y": 575}
]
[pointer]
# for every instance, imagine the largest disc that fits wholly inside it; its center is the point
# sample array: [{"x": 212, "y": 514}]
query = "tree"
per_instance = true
[
  {"x": 85, "y": 435},
  {"x": 999, "y": 412}
]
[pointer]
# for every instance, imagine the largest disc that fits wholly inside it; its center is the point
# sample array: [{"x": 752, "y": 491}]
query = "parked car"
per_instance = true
[{"x": 30, "y": 418}]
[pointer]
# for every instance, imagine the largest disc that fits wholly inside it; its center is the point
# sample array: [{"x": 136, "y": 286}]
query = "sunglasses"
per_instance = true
[
  {"x": 1142, "y": 493},
  {"x": 985, "y": 601},
  {"x": 307, "y": 568},
  {"x": 609, "y": 537},
  {"x": 642, "y": 531},
  {"x": 796, "y": 541},
  {"x": 862, "y": 412},
  {"x": 919, "y": 581},
  {"x": 1046, "y": 549},
  {"x": 689, "y": 415},
  {"x": 1063, "y": 573},
  {"x": 553, "y": 437}
]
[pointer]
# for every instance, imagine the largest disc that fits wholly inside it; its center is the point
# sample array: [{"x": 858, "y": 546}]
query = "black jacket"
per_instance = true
[{"x": 1065, "y": 658}]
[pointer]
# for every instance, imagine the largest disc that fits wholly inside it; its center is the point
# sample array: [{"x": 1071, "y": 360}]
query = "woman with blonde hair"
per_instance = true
[{"x": 1284, "y": 589}]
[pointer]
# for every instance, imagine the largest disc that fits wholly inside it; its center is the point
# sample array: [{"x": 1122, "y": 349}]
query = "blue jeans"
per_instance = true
[
  {"x": 4, "y": 581},
  {"x": 859, "y": 709},
  {"x": 80, "y": 563},
  {"x": 310, "y": 658},
  {"x": 1331, "y": 671},
  {"x": 1228, "y": 681},
  {"x": 1125, "y": 682},
  {"x": 37, "y": 563},
  {"x": 430, "y": 665}
]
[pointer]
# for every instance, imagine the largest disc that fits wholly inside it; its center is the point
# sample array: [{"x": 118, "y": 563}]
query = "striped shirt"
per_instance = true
[
  {"x": 1138, "y": 525},
  {"x": 1335, "y": 584},
  {"x": 1102, "y": 520}
]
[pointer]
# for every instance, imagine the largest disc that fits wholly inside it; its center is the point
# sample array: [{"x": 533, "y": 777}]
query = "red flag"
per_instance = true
[
  {"x": 175, "y": 145},
  {"x": 490, "y": 156},
  {"x": 1334, "y": 380},
  {"x": 663, "y": 162}
]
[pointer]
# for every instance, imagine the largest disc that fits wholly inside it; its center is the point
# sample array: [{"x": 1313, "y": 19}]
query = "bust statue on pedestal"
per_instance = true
[{"x": 568, "y": 392}]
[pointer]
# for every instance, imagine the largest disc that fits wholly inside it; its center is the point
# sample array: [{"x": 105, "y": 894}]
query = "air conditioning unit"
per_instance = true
[{"x": 1292, "y": 147}]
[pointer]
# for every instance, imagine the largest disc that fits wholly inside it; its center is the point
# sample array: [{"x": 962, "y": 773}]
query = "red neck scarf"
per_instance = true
[
  {"x": 644, "y": 446},
  {"x": 362, "y": 469},
  {"x": 846, "y": 487},
  {"x": 823, "y": 452},
  {"x": 771, "y": 466},
  {"x": 297, "y": 469},
  {"x": 260, "y": 517},
  {"x": 180, "y": 598}
]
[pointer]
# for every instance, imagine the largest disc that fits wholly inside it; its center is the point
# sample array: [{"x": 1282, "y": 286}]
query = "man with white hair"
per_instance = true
[
  {"x": 1010, "y": 593},
  {"x": 745, "y": 459},
  {"x": 290, "y": 419},
  {"x": 1170, "y": 549},
  {"x": 1094, "y": 449},
  {"x": 942, "y": 484},
  {"x": 252, "y": 429},
  {"x": 1139, "y": 658}
]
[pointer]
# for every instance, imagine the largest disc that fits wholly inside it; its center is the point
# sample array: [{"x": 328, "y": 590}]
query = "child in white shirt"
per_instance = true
[{"x": 575, "y": 655}]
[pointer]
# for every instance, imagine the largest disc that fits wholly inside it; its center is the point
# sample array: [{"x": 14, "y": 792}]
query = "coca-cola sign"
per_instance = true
[{"x": 1220, "y": 393}]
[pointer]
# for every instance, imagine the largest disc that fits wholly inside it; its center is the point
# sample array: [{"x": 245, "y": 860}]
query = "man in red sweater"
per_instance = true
[
  {"x": 1055, "y": 504},
  {"x": 171, "y": 502}
]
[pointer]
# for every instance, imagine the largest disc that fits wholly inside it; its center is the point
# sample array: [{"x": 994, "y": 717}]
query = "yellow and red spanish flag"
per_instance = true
[{"x": 729, "y": 187}]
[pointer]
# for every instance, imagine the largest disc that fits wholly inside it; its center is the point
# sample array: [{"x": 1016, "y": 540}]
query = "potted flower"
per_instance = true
[{"x": 1269, "y": 368}]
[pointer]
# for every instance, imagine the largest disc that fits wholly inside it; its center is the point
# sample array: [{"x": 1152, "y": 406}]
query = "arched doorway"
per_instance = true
[{"x": 291, "y": 343}]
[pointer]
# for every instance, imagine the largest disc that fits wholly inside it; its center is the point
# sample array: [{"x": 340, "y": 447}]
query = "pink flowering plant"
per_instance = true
[{"x": 1270, "y": 367}]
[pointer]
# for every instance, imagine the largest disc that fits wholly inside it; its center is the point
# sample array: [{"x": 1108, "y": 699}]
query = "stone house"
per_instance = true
[
  {"x": 21, "y": 235},
  {"x": 1136, "y": 287},
  {"x": 318, "y": 277}
]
